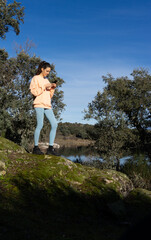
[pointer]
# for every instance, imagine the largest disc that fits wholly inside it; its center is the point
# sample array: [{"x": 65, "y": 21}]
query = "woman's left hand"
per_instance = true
[{"x": 53, "y": 85}]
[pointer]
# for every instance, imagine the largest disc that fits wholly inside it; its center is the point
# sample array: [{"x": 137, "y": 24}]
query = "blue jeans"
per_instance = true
[{"x": 40, "y": 118}]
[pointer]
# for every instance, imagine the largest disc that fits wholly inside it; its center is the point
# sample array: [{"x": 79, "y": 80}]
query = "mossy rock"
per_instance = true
[
  {"x": 91, "y": 181},
  {"x": 41, "y": 196},
  {"x": 9, "y": 146},
  {"x": 41, "y": 168}
]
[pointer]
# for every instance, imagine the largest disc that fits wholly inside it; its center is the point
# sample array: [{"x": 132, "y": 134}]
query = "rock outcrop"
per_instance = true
[{"x": 41, "y": 196}]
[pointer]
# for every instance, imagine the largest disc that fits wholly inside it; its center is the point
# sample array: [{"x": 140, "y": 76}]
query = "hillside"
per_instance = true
[{"x": 47, "y": 197}]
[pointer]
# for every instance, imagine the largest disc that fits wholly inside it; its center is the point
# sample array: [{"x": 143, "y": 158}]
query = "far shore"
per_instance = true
[{"x": 71, "y": 141}]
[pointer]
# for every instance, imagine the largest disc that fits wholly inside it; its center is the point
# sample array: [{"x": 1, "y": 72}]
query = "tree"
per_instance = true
[
  {"x": 17, "y": 119},
  {"x": 113, "y": 141},
  {"x": 10, "y": 16},
  {"x": 132, "y": 98},
  {"x": 122, "y": 109},
  {"x": 6, "y": 77}
]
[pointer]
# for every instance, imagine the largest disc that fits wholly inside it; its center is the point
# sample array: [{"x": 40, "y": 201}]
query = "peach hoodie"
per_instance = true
[{"x": 37, "y": 88}]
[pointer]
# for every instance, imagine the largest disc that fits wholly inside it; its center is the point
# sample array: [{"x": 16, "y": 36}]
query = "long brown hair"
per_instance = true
[{"x": 43, "y": 65}]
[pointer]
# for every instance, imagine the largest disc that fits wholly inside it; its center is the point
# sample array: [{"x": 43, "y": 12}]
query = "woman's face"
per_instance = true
[{"x": 45, "y": 72}]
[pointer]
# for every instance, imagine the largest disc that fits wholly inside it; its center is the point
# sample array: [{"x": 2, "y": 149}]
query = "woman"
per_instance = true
[{"x": 43, "y": 91}]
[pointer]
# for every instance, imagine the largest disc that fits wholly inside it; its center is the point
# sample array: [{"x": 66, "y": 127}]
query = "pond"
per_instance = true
[
  {"x": 87, "y": 154},
  {"x": 80, "y": 154}
]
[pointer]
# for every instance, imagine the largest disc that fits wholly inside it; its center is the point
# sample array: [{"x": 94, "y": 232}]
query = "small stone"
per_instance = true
[
  {"x": 2, "y": 168},
  {"x": 2, "y": 173}
]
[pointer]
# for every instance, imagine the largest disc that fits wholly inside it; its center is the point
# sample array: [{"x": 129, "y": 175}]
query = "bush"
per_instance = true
[{"x": 138, "y": 169}]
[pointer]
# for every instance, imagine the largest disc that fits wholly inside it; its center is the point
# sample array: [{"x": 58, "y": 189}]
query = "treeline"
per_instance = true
[{"x": 79, "y": 130}]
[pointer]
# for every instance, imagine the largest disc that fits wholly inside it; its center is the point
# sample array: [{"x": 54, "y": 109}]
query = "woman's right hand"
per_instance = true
[
  {"x": 53, "y": 85},
  {"x": 48, "y": 86}
]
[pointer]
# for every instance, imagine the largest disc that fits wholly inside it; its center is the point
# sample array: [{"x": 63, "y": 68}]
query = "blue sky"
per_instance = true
[{"x": 85, "y": 40}]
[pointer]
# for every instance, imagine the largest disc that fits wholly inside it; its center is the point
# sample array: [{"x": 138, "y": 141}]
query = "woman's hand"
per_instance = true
[
  {"x": 53, "y": 85},
  {"x": 48, "y": 86}
]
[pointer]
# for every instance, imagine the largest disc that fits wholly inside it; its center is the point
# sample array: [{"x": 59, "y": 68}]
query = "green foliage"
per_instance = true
[
  {"x": 138, "y": 169},
  {"x": 124, "y": 100},
  {"x": 123, "y": 113},
  {"x": 79, "y": 130},
  {"x": 10, "y": 16},
  {"x": 133, "y": 98}
]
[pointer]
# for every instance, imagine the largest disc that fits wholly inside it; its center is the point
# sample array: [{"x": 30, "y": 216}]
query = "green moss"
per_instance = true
[
  {"x": 42, "y": 191},
  {"x": 8, "y": 146}
]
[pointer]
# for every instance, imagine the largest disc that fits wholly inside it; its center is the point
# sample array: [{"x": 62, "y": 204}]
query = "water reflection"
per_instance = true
[
  {"x": 79, "y": 154},
  {"x": 88, "y": 154}
]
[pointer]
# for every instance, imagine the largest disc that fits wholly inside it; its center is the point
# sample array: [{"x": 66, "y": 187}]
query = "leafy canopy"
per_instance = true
[
  {"x": 124, "y": 100},
  {"x": 10, "y": 16},
  {"x": 122, "y": 111}
]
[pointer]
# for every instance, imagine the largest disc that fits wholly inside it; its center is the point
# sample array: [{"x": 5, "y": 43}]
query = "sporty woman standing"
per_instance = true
[{"x": 43, "y": 91}]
